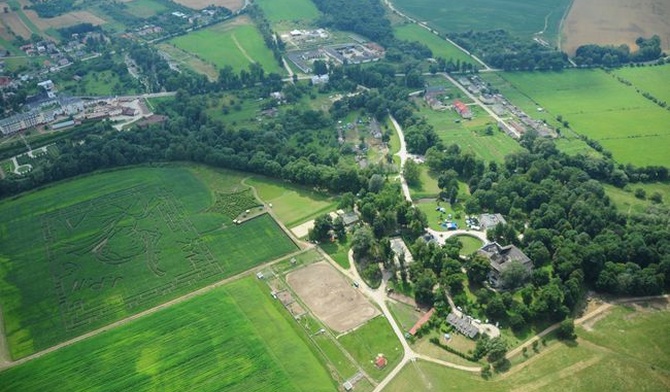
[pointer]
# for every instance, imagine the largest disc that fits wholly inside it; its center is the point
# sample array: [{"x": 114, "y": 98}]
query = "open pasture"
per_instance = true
[
  {"x": 518, "y": 17},
  {"x": 653, "y": 80},
  {"x": 292, "y": 204},
  {"x": 440, "y": 46},
  {"x": 331, "y": 297},
  {"x": 233, "y": 338},
  {"x": 65, "y": 20},
  {"x": 91, "y": 251},
  {"x": 615, "y": 22},
  {"x": 232, "y": 5},
  {"x": 144, "y": 8},
  {"x": 597, "y": 105},
  {"x": 612, "y": 356},
  {"x": 237, "y": 43},
  {"x": 298, "y": 11}
]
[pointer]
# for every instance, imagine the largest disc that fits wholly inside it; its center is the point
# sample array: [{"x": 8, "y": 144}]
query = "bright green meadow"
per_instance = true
[
  {"x": 221, "y": 340},
  {"x": 439, "y": 46},
  {"x": 87, "y": 252},
  {"x": 289, "y": 10}
]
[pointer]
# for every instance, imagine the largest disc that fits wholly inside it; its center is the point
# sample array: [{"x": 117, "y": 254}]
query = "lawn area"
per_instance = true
[
  {"x": 626, "y": 202},
  {"x": 406, "y": 316},
  {"x": 338, "y": 251},
  {"x": 435, "y": 218},
  {"x": 625, "y": 351},
  {"x": 298, "y": 11},
  {"x": 597, "y": 105},
  {"x": 291, "y": 203},
  {"x": 221, "y": 340},
  {"x": 470, "y": 244},
  {"x": 440, "y": 46},
  {"x": 523, "y": 18},
  {"x": 375, "y": 337},
  {"x": 427, "y": 186},
  {"x": 652, "y": 79},
  {"x": 94, "y": 250},
  {"x": 105, "y": 83},
  {"x": 236, "y": 43}
]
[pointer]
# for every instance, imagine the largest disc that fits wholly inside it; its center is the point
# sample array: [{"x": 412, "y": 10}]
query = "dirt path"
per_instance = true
[
  {"x": 109, "y": 327},
  {"x": 5, "y": 358},
  {"x": 244, "y": 52}
]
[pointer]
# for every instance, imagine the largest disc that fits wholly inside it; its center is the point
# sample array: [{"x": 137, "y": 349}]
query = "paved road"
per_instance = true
[
  {"x": 403, "y": 158},
  {"x": 478, "y": 102}
]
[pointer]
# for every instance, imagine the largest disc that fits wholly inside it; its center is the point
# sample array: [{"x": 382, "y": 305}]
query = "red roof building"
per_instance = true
[
  {"x": 462, "y": 109},
  {"x": 381, "y": 361},
  {"x": 421, "y": 321}
]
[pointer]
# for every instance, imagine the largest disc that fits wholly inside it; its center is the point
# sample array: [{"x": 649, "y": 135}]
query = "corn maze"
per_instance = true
[{"x": 103, "y": 252}]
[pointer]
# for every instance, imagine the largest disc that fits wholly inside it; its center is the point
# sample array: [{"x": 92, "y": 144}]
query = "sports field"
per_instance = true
[
  {"x": 599, "y": 106},
  {"x": 87, "y": 252},
  {"x": 439, "y": 46},
  {"x": 234, "y": 338},
  {"x": 237, "y": 43},
  {"x": 292, "y": 204},
  {"x": 523, "y": 17},
  {"x": 302, "y": 11},
  {"x": 625, "y": 351}
]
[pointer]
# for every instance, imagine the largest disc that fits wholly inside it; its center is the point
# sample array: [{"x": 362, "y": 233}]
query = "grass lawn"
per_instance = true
[
  {"x": 458, "y": 341},
  {"x": 375, "y": 337},
  {"x": 339, "y": 252},
  {"x": 625, "y": 199},
  {"x": 94, "y": 83},
  {"x": 427, "y": 186},
  {"x": 435, "y": 218},
  {"x": 523, "y": 18},
  {"x": 289, "y": 10},
  {"x": 406, "y": 316},
  {"x": 291, "y": 203},
  {"x": 218, "y": 341},
  {"x": 597, "y": 105},
  {"x": 144, "y": 8},
  {"x": 90, "y": 251},
  {"x": 236, "y": 43},
  {"x": 440, "y": 46},
  {"x": 625, "y": 351},
  {"x": 470, "y": 244}
]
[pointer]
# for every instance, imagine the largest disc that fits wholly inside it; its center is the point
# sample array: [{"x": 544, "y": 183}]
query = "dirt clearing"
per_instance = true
[
  {"x": 65, "y": 20},
  {"x": 615, "y": 22},
  {"x": 330, "y": 297},
  {"x": 13, "y": 22},
  {"x": 232, "y": 5}
]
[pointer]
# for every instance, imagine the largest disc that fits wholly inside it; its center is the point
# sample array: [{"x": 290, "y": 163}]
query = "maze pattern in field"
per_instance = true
[{"x": 103, "y": 251}]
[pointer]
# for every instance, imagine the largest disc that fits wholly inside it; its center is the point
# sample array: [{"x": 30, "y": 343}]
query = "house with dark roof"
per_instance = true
[{"x": 501, "y": 257}]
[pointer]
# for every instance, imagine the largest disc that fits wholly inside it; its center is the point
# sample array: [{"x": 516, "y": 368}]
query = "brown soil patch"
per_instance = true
[
  {"x": 615, "y": 22},
  {"x": 65, "y": 20},
  {"x": 232, "y": 5},
  {"x": 330, "y": 297},
  {"x": 12, "y": 21}
]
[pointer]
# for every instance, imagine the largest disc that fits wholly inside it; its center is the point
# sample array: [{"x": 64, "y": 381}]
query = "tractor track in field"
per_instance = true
[{"x": 6, "y": 362}]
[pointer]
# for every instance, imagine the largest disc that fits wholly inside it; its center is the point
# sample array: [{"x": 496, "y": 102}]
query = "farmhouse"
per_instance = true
[
  {"x": 501, "y": 257},
  {"x": 462, "y": 109}
]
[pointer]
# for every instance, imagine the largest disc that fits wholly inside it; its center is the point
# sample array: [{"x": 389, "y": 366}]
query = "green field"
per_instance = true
[
  {"x": 596, "y": 105},
  {"x": 427, "y": 186},
  {"x": 292, "y": 204},
  {"x": 234, "y": 43},
  {"x": 470, "y": 244},
  {"x": 234, "y": 338},
  {"x": 144, "y": 8},
  {"x": 87, "y": 252},
  {"x": 626, "y": 202},
  {"x": 653, "y": 80},
  {"x": 302, "y": 11},
  {"x": 365, "y": 343},
  {"x": 523, "y": 18},
  {"x": 625, "y": 351},
  {"x": 439, "y": 46}
]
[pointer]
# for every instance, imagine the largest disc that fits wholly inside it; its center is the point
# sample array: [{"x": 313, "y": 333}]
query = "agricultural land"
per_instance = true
[
  {"x": 616, "y": 22},
  {"x": 118, "y": 243}
]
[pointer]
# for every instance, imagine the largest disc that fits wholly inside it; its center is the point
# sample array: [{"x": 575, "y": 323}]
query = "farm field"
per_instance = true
[
  {"x": 439, "y": 46},
  {"x": 365, "y": 343},
  {"x": 615, "y": 22},
  {"x": 292, "y": 204},
  {"x": 220, "y": 340},
  {"x": 296, "y": 11},
  {"x": 235, "y": 43},
  {"x": 107, "y": 246},
  {"x": 523, "y": 18},
  {"x": 611, "y": 356},
  {"x": 652, "y": 80},
  {"x": 596, "y": 105},
  {"x": 232, "y": 5}
]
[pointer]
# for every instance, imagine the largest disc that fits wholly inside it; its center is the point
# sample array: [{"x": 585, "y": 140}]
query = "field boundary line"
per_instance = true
[
  {"x": 5, "y": 357},
  {"x": 165, "y": 305}
]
